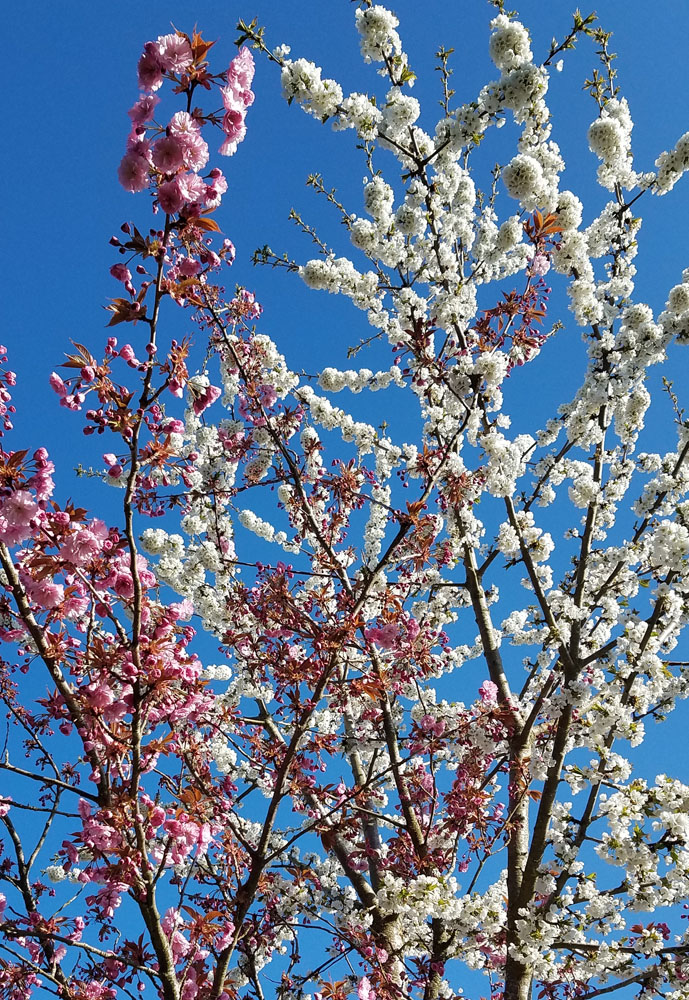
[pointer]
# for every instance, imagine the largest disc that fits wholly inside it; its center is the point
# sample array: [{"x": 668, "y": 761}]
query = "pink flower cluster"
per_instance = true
[
  {"x": 237, "y": 97},
  {"x": 365, "y": 991},
  {"x": 97, "y": 835},
  {"x": 43, "y": 592},
  {"x": 489, "y": 693},
  {"x": 119, "y": 578},
  {"x": 175, "y": 157},
  {"x": 393, "y": 635},
  {"x": 186, "y": 834},
  {"x": 85, "y": 543},
  {"x": 203, "y": 397},
  {"x": 21, "y": 512},
  {"x": 540, "y": 265},
  {"x": 386, "y": 636},
  {"x": 168, "y": 54},
  {"x": 179, "y": 945},
  {"x": 19, "y": 515},
  {"x": 8, "y": 379}
]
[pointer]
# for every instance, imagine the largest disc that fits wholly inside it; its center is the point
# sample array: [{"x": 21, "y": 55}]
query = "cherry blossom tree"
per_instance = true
[{"x": 371, "y": 790}]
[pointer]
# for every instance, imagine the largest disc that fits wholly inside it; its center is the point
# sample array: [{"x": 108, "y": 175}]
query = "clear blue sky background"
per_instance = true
[{"x": 72, "y": 76}]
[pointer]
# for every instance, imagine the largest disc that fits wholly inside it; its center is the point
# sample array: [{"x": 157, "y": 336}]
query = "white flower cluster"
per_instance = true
[
  {"x": 252, "y": 522},
  {"x": 523, "y": 91},
  {"x": 379, "y": 38},
  {"x": 609, "y": 138},
  {"x": 669, "y": 547},
  {"x": 509, "y": 46},
  {"x": 358, "y": 111},
  {"x": 675, "y": 319},
  {"x": 332, "y": 417},
  {"x": 538, "y": 543},
  {"x": 338, "y": 274},
  {"x": 671, "y": 165},
  {"x": 56, "y": 874},
  {"x": 529, "y": 183},
  {"x": 413, "y": 901},
  {"x": 506, "y": 461},
  {"x": 434, "y": 246},
  {"x": 375, "y": 527},
  {"x": 400, "y": 111},
  {"x": 301, "y": 82},
  {"x": 493, "y": 368},
  {"x": 378, "y": 200},
  {"x": 638, "y": 815},
  {"x": 334, "y": 380}
]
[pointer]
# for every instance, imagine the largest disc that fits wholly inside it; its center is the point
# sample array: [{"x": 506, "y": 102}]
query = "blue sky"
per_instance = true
[{"x": 72, "y": 76}]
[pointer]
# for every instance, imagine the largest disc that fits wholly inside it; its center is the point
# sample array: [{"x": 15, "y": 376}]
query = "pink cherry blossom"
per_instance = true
[
  {"x": 195, "y": 151},
  {"x": 99, "y": 695},
  {"x": 232, "y": 101},
  {"x": 109, "y": 897},
  {"x": 119, "y": 578},
  {"x": 188, "y": 267},
  {"x": 121, "y": 706},
  {"x": 229, "y": 250},
  {"x": 216, "y": 189},
  {"x": 170, "y": 196},
  {"x": 45, "y": 593},
  {"x": 191, "y": 186},
  {"x": 41, "y": 482},
  {"x": 149, "y": 69},
  {"x": 225, "y": 936},
  {"x": 57, "y": 384},
  {"x": 85, "y": 543},
  {"x": 133, "y": 173},
  {"x": 229, "y": 147},
  {"x": 178, "y": 943},
  {"x": 114, "y": 467},
  {"x": 139, "y": 144},
  {"x": 18, "y": 513},
  {"x": 540, "y": 265},
  {"x": 144, "y": 109},
  {"x": 185, "y": 835},
  {"x": 127, "y": 354},
  {"x": 167, "y": 154},
  {"x": 237, "y": 97},
  {"x": 387, "y": 636},
  {"x": 240, "y": 73},
  {"x": 186, "y": 129},
  {"x": 489, "y": 692},
  {"x": 183, "y": 124},
  {"x": 364, "y": 990},
  {"x": 247, "y": 305},
  {"x": 218, "y": 180},
  {"x": 121, "y": 272},
  {"x": 174, "y": 53},
  {"x": 208, "y": 396},
  {"x": 233, "y": 125}
]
